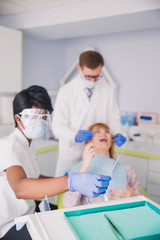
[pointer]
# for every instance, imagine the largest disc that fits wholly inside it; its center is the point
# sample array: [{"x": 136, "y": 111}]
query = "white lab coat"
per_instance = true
[
  {"x": 73, "y": 112},
  {"x": 15, "y": 150}
]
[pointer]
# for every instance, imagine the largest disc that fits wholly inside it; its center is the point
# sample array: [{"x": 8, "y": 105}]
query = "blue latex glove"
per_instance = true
[
  {"x": 83, "y": 135},
  {"x": 119, "y": 139},
  {"x": 88, "y": 184}
]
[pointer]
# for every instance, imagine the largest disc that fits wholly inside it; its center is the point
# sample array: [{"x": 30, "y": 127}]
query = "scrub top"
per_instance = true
[{"x": 15, "y": 150}]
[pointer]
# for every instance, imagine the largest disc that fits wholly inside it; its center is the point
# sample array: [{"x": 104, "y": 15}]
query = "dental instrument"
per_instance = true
[
  {"x": 106, "y": 195},
  {"x": 114, "y": 228}
]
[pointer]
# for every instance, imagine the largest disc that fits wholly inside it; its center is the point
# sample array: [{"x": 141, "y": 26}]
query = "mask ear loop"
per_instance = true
[
  {"x": 18, "y": 122},
  {"x": 19, "y": 118}
]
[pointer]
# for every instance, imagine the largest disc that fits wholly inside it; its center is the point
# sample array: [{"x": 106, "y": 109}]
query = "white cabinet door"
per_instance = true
[
  {"x": 140, "y": 166},
  {"x": 148, "y": 173},
  {"x": 154, "y": 165},
  {"x": 153, "y": 185},
  {"x": 10, "y": 60},
  {"x": 47, "y": 164}
]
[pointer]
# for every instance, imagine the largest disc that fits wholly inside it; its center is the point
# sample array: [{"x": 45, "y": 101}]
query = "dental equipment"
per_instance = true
[
  {"x": 106, "y": 196},
  {"x": 114, "y": 228}
]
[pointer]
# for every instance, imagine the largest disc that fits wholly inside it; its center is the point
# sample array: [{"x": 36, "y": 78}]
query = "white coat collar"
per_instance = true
[{"x": 21, "y": 138}]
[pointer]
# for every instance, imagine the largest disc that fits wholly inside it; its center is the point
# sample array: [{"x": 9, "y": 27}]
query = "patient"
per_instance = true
[{"x": 99, "y": 157}]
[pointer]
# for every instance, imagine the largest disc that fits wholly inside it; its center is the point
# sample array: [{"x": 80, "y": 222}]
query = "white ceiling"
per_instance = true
[
  {"x": 8, "y": 7},
  {"x": 129, "y": 22},
  {"x": 60, "y": 19}
]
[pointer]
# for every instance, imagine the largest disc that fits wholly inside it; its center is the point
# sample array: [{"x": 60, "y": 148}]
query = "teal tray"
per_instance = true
[{"x": 136, "y": 220}]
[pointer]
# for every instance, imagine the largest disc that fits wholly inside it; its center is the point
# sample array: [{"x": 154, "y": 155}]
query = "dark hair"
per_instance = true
[
  {"x": 91, "y": 59},
  {"x": 33, "y": 96}
]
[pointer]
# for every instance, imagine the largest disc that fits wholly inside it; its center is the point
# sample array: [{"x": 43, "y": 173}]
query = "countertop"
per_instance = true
[{"x": 149, "y": 150}]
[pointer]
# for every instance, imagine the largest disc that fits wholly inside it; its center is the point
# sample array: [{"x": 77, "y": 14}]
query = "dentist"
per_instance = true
[{"x": 85, "y": 100}]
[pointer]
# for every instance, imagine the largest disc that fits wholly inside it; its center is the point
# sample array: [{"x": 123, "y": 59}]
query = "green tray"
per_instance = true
[{"x": 136, "y": 220}]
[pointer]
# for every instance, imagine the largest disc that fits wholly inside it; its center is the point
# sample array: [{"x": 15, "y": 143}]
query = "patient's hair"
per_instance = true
[
  {"x": 33, "y": 96},
  {"x": 91, "y": 59},
  {"x": 103, "y": 125}
]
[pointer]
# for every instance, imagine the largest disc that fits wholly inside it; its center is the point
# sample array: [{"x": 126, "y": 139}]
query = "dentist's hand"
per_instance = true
[
  {"x": 88, "y": 184},
  {"x": 83, "y": 135},
  {"x": 119, "y": 139}
]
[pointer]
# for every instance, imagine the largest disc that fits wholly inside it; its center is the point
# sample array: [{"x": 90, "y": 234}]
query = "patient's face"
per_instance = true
[{"x": 102, "y": 138}]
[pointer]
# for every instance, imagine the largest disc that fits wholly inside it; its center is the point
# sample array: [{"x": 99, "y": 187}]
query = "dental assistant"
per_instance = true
[
  {"x": 85, "y": 100},
  {"x": 20, "y": 178}
]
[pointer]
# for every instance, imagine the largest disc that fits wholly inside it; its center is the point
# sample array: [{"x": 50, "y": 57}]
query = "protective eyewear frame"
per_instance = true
[
  {"x": 99, "y": 131},
  {"x": 35, "y": 113},
  {"x": 90, "y": 77}
]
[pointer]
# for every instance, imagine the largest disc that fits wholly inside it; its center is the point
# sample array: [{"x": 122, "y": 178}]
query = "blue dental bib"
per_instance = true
[{"x": 102, "y": 164}]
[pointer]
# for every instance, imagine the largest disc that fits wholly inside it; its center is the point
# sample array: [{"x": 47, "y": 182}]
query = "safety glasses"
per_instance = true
[
  {"x": 32, "y": 113},
  {"x": 90, "y": 77},
  {"x": 101, "y": 130}
]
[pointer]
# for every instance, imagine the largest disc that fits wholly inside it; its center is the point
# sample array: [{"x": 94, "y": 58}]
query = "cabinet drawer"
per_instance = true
[
  {"x": 47, "y": 163},
  {"x": 154, "y": 165},
  {"x": 154, "y": 177},
  {"x": 153, "y": 189},
  {"x": 139, "y": 165},
  {"x": 154, "y": 198}
]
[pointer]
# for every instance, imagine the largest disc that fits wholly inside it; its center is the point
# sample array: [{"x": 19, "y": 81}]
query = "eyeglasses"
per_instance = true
[
  {"x": 90, "y": 77},
  {"x": 96, "y": 78},
  {"x": 99, "y": 131}
]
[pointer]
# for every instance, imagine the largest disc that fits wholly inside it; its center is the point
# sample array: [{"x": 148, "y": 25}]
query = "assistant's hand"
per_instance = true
[
  {"x": 121, "y": 193},
  {"x": 119, "y": 139},
  {"x": 88, "y": 184},
  {"x": 83, "y": 135}
]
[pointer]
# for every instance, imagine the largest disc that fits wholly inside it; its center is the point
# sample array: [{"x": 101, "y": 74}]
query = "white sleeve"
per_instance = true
[
  {"x": 7, "y": 155},
  {"x": 61, "y": 118}
]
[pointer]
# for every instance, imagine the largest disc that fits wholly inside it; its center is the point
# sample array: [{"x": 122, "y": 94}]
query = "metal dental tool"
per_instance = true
[
  {"x": 106, "y": 196},
  {"x": 114, "y": 229}
]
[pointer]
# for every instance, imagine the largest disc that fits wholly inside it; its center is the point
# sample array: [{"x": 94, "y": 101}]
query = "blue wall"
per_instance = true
[
  {"x": 132, "y": 58},
  {"x": 43, "y": 63}
]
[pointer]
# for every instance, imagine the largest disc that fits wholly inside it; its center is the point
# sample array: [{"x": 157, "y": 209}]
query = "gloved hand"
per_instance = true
[
  {"x": 119, "y": 139},
  {"x": 83, "y": 135},
  {"x": 88, "y": 184}
]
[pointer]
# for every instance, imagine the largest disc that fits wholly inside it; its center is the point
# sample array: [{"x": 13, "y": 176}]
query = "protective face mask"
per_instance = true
[
  {"x": 89, "y": 84},
  {"x": 34, "y": 128}
]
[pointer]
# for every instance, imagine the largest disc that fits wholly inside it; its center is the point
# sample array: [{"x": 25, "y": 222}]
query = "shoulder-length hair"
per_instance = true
[{"x": 103, "y": 125}]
